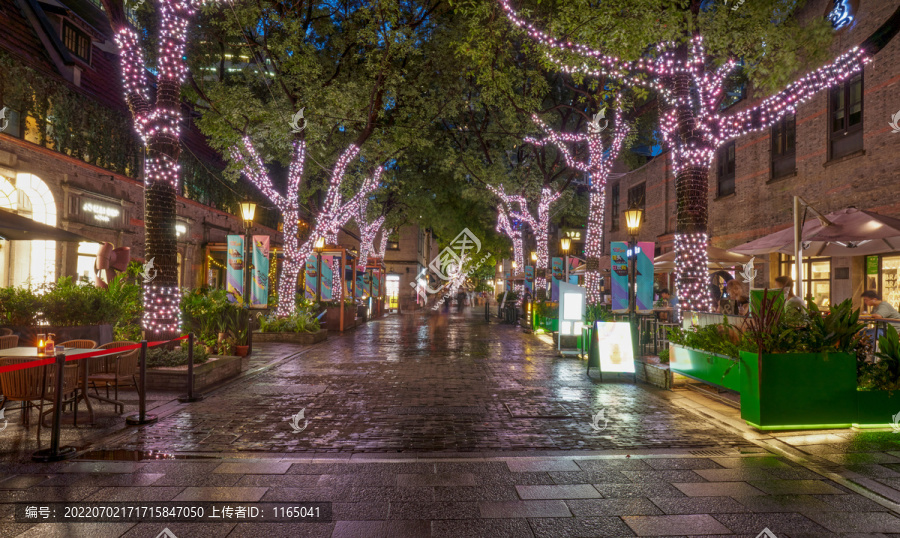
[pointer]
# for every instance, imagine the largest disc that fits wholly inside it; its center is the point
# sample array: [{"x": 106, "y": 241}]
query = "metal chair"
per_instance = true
[
  {"x": 5, "y": 332},
  {"x": 9, "y": 341},
  {"x": 116, "y": 370}
]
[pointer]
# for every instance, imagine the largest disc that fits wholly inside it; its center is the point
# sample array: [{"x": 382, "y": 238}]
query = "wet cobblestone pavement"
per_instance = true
[{"x": 394, "y": 385}]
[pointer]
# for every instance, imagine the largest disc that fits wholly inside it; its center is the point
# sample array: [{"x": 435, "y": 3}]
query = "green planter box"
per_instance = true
[
  {"x": 550, "y": 325},
  {"x": 798, "y": 390},
  {"x": 876, "y": 408},
  {"x": 714, "y": 369}
]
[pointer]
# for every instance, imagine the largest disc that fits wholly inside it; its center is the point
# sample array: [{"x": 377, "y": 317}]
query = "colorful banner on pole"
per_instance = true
[
  {"x": 556, "y": 270},
  {"x": 529, "y": 278},
  {"x": 620, "y": 271},
  {"x": 311, "y": 275},
  {"x": 234, "y": 278},
  {"x": 327, "y": 277},
  {"x": 259, "y": 289},
  {"x": 574, "y": 265}
]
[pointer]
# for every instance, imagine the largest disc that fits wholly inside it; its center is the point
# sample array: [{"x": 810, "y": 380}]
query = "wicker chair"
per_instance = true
[
  {"x": 78, "y": 344},
  {"x": 116, "y": 370},
  {"x": 5, "y": 332},
  {"x": 9, "y": 341},
  {"x": 31, "y": 385}
]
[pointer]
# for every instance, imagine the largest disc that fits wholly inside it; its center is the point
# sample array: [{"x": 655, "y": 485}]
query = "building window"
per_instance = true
[
  {"x": 10, "y": 122},
  {"x": 846, "y": 107},
  {"x": 725, "y": 169},
  {"x": 78, "y": 42},
  {"x": 614, "y": 208},
  {"x": 393, "y": 242},
  {"x": 816, "y": 277},
  {"x": 784, "y": 148},
  {"x": 636, "y": 196}
]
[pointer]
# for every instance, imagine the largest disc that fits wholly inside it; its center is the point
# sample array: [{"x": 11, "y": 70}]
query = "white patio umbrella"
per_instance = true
[
  {"x": 719, "y": 258},
  {"x": 851, "y": 232}
]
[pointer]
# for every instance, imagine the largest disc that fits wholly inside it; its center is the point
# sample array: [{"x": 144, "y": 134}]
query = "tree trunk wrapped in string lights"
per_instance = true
[
  {"x": 367, "y": 233},
  {"x": 334, "y": 213},
  {"x": 158, "y": 124},
  {"x": 690, "y": 91},
  {"x": 540, "y": 225},
  {"x": 512, "y": 228},
  {"x": 382, "y": 245},
  {"x": 598, "y": 165}
]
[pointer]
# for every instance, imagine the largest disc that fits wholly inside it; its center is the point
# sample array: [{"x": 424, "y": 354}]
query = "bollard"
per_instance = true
[
  {"x": 487, "y": 311},
  {"x": 249, "y": 333},
  {"x": 142, "y": 417},
  {"x": 55, "y": 453},
  {"x": 190, "y": 384}
]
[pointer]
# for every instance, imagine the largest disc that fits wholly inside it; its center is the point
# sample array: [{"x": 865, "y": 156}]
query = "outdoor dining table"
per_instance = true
[{"x": 31, "y": 352}]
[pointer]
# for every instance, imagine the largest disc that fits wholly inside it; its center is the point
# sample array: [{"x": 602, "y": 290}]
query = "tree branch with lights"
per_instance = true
[
  {"x": 693, "y": 128},
  {"x": 598, "y": 165}
]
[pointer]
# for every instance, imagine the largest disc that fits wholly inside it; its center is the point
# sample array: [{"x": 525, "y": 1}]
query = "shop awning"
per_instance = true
[
  {"x": 16, "y": 228},
  {"x": 849, "y": 232}
]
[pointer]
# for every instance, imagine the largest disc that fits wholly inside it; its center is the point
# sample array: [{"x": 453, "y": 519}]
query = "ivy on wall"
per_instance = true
[{"x": 63, "y": 119}]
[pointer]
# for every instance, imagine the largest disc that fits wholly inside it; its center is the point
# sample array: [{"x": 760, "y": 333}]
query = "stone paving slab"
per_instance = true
[{"x": 668, "y": 525}]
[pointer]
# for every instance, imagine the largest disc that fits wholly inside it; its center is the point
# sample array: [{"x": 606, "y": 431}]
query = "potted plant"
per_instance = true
[
  {"x": 708, "y": 353},
  {"x": 239, "y": 330},
  {"x": 878, "y": 392}
]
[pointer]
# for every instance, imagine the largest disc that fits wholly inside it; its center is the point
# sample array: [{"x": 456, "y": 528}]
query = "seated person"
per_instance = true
[
  {"x": 878, "y": 310},
  {"x": 735, "y": 302},
  {"x": 791, "y": 300},
  {"x": 666, "y": 299}
]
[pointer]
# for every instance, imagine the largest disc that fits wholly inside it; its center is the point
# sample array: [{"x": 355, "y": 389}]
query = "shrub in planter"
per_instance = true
[
  {"x": 18, "y": 306},
  {"x": 159, "y": 357},
  {"x": 301, "y": 321}
]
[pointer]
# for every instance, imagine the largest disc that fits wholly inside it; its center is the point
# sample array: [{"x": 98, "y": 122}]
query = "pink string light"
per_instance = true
[
  {"x": 672, "y": 76},
  {"x": 598, "y": 167}
]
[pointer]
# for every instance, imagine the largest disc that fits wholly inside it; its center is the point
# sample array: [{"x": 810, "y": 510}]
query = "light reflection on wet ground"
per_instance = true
[{"x": 412, "y": 383}]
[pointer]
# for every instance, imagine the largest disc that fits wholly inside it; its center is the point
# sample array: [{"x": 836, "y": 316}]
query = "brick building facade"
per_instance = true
[
  {"x": 94, "y": 192},
  {"x": 843, "y": 154}
]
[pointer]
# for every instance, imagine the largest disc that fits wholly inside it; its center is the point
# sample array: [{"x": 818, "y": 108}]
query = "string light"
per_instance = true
[
  {"x": 512, "y": 229},
  {"x": 329, "y": 221},
  {"x": 540, "y": 225},
  {"x": 159, "y": 126},
  {"x": 382, "y": 247},
  {"x": 692, "y": 124},
  {"x": 214, "y": 263},
  {"x": 598, "y": 166}
]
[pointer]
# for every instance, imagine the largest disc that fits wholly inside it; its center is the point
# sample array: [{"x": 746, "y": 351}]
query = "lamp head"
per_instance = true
[
  {"x": 564, "y": 244},
  {"x": 320, "y": 244},
  {"x": 248, "y": 210},
  {"x": 533, "y": 256},
  {"x": 633, "y": 220}
]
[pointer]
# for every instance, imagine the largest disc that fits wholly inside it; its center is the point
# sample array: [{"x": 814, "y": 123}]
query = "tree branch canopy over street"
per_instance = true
[{"x": 443, "y": 97}]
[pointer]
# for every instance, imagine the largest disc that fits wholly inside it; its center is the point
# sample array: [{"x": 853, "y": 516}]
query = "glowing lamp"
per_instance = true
[
  {"x": 633, "y": 219},
  {"x": 533, "y": 256},
  {"x": 320, "y": 244},
  {"x": 514, "y": 264},
  {"x": 248, "y": 211},
  {"x": 564, "y": 244}
]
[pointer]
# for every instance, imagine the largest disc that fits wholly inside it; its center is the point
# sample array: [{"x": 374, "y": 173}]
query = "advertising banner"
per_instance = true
[
  {"x": 643, "y": 282},
  {"x": 311, "y": 273},
  {"x": 327, "y": 277},
  {"x": 529, "y": 278},
  {"x": 574, "y": 265},
  {"x": 259, "y": 289},
  {"x": 234, "y": 278},
  {"x": 644, "y": 287},
  {"x": 556, "y": 270},
  {"x": 376, "y": 284}
]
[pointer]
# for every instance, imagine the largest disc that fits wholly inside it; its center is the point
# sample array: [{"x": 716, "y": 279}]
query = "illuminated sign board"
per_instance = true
[
  {"x": 95, "y": 212},
  {"x": 614, "y": 346},
  {"x": 571, "y": 309}
]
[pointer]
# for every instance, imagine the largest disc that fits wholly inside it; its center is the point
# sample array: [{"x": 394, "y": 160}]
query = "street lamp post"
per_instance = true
[
  {"x": 633, "y": 221},
  {"x": 248, "y": 211},
  {"x": 564, "y": 244},
  {"x": 318, "y": 247}
]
